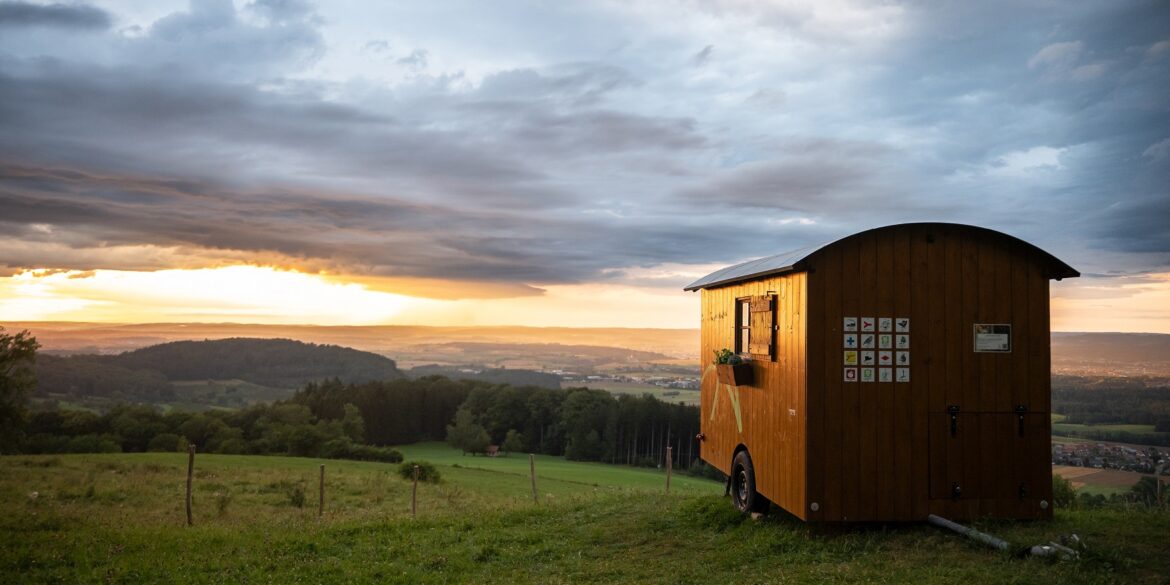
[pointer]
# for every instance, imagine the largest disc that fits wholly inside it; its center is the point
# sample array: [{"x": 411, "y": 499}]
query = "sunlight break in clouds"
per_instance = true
[{"x": 251, "y": 294}]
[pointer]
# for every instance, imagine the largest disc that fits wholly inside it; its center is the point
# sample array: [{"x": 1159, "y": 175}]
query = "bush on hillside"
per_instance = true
[
  {"x": 426, "y": 471},
  {"x": 346, "y": 449}
]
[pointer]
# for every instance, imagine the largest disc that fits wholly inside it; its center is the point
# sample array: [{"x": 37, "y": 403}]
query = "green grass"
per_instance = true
[
  {"x": 557, "y": 470},
  {"x": 1104, "y": 490},
  {"x": 120, "y": 519}
]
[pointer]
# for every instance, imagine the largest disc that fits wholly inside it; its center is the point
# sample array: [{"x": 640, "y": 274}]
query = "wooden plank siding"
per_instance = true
[
  {"x": 772, "y": 408},
  {"x": 827, "y": 449}
]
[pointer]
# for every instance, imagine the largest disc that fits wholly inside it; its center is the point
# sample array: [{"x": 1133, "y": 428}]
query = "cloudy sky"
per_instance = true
[{"x": 560, "y": 163}]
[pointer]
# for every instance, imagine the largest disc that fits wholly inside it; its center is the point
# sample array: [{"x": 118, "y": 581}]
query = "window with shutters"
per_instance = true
[{"x": 755, "y": 327}]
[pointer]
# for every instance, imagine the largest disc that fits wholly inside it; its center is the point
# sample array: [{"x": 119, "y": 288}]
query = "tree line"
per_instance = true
[
  {"x": 1139, "y": 401},
  {"x": 579, "y": 423}
]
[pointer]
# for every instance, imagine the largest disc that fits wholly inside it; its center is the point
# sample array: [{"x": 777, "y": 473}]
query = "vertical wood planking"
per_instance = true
[
  {"x": 1005, "y": 368},
  {"x": 884, "y": 468},
  {"x": 925, "y": 297},
  {"x": 1005, "y": 373},
  {"x": 901, "y": 430},
  {"x": 1040, "y": 389},
  {"x": 814, "y": 393},
  {"x": 831, "y": 379},
  {"x": 957, "y": 339},
  {"x": 799, "y": 386},
  {"x": 1022, "y": 341},
  {"x": 866, "y": 422},
  {"x": 850, "y": 393},
  {"x": 1039, "y": 341},
  {"x": 970, "y": 313},
  {"x": 948, "y": 458}
]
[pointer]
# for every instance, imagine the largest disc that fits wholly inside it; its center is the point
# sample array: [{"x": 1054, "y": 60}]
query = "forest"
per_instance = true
[
  {"x": 360, "y": 421},
  {"x": 1112, "y": 400},
  {"x": 579, "y": 423}
]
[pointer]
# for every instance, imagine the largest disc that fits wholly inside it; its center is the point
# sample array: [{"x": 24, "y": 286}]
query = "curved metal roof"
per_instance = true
[{"x": 791, "y": 261}]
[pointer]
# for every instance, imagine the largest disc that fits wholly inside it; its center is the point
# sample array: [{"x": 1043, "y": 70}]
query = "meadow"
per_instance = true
[{"x": 119, "y": 518}]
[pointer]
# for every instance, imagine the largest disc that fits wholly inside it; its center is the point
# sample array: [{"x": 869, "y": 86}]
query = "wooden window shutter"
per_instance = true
[{"x": 763, "y": 336}]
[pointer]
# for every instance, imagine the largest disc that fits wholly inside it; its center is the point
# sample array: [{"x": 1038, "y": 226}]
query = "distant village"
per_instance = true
[
  {"x": 1111, "y": 456},
  {"x": 671, "y": 382}
]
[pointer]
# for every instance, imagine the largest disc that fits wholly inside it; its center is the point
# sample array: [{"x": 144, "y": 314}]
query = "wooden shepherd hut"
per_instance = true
[{"x": 895, "y": 373}]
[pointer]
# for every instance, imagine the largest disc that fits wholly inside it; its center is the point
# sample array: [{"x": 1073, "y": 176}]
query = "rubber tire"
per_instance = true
[{"x": 744, "y": 496}]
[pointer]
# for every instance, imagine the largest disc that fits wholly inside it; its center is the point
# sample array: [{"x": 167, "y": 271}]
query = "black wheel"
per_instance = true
[{"x": 743, "y": 486}]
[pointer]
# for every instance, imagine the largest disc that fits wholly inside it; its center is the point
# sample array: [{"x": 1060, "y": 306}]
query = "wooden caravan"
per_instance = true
[{"x": 896, "y": 373}]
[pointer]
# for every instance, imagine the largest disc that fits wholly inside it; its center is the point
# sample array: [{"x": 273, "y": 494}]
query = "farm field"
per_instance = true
[
  {"x": 1098, "y": 481},
  {"x": 120, "y": 519},
  {"x": 1072, "y": 428},
  {"x": 690, "y": 397}
]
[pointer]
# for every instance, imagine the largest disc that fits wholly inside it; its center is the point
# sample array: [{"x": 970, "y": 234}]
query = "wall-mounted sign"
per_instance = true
[
  {"x": 993, "y": 338},
  {"x": 850, "y": 374}
]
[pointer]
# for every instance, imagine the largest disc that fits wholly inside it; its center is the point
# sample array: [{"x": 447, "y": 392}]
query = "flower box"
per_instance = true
[{"x": 734, "y": 374}]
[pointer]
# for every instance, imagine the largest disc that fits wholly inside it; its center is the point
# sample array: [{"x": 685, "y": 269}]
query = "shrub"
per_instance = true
[
  {"x": 346, "y": 449},
  {"x": 1063, "y": 494},
  {"x": 426, "y": 471}
]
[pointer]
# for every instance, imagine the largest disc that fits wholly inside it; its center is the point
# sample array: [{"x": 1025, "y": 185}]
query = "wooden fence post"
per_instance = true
[
  {"x": 321, "y": 491},
  {"x": 669, "y": 465},
  {"x": 414, "y": 495},
  {"x": 532, "y": 472},
  {"x": 190, "y": 474}
]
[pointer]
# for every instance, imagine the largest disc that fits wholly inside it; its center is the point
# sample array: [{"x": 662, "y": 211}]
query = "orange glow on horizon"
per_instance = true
[
  {"x": 256, "y": 294},
  {"x": 268, "y": 295}
]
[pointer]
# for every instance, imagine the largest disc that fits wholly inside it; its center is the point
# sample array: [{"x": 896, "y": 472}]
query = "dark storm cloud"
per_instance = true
[
  {"x": 141, "y": 120},
  {"x": 368, "y": 236},
  {"x": 70, "y": 16}
]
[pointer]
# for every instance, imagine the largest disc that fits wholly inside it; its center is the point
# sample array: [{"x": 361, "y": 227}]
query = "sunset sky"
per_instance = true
[{"x": 560, "y": 163}]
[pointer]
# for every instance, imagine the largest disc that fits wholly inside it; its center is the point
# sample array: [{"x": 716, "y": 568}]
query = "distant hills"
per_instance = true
[
  {"x": 389, "y": 340},
  {"x": 149, "y": 374},
  {"x": 1107, "y": 354},
  {"x": 281, "y": 363}
]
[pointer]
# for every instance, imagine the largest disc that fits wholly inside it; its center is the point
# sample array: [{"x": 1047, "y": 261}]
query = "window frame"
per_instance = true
[{"x": 743, "y": 325}]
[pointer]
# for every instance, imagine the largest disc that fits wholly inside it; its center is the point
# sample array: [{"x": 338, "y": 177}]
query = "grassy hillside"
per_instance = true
[
  {"x": 119, "y": 519},
  {"x": 601, "y": 475}
]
